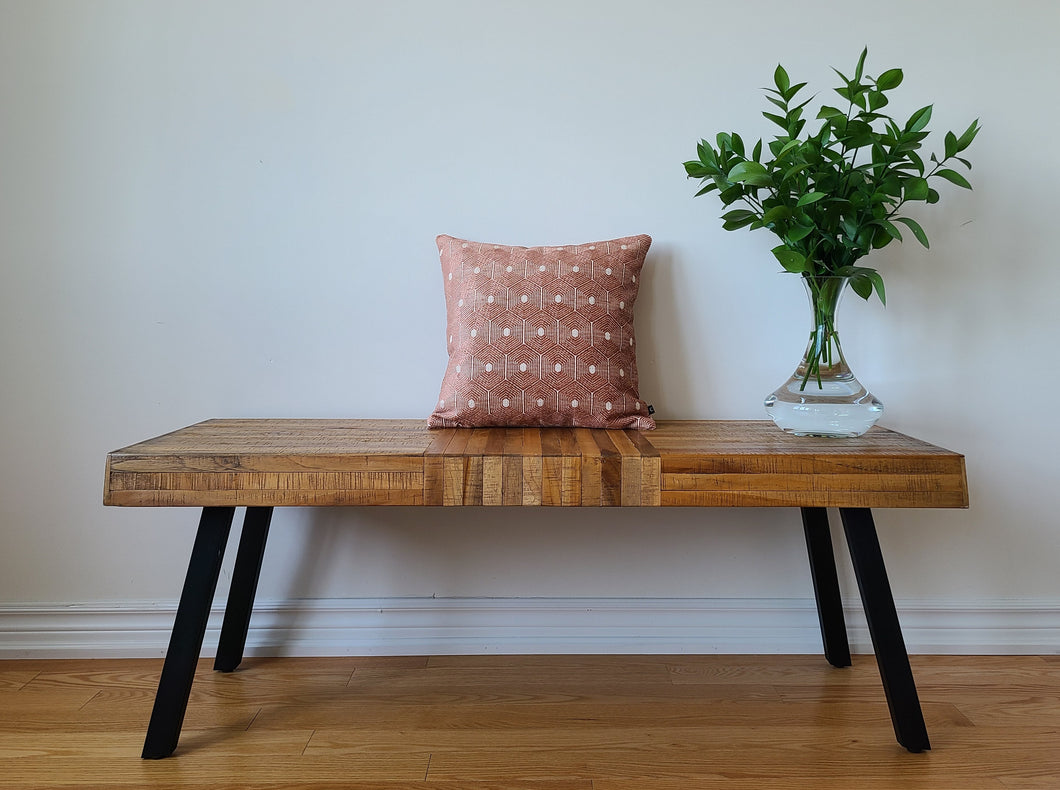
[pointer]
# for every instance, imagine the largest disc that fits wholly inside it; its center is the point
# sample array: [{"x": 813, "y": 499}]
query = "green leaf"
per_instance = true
[
  {"x": 792, "y": 261},
  {"x": 706, "y": 189},
  {"x": 757, "y": 153},
  {"x": 965, "y": 139},
  {"x": 951, "y": 145},
  {"x": 779, "y": 120},
  {"x": 789, "y": 94},
  {"x": 775, "y": 213},
  {"x": 812, "y": 197},
  {"x": 697, "y": 170},
  {"x": 885, "y": 233},
  {"x": 794, "y": 171},
  {"x": 877, "y": 282},
  {"x": 933, "y": 196},
  {"x": 881, "y": 238},
  {"x": 829, "y": 112},
  {"x": 780, "y": 78},
  {"x": 799, "y": 232},
  {"x": 752, "y": 173},
  {"x": 954, "y": 177},
  {"x": 736, "y": 225},
  {"x": 781, "y": 104},
  {"x": 916, "y": 189},
  {"x": 738, "y": 218},
  {"x": 731, "y": 194},
  {"x": 891, "y": 186},
  {"x": 919, "y": 119},
  {"x": 876, "y": 101},
  {"x": 863, "y": 280},
  {"x": 861, "y": 285},
  {"x": 861, "y": 65},
  {"x": 914, "y": 226},
  {"x": 889, "y": 80},
  {"x": 859, "y": 134}
]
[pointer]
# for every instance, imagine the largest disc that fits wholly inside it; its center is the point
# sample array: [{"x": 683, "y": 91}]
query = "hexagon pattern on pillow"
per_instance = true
[{"x": 541, "y": 336}]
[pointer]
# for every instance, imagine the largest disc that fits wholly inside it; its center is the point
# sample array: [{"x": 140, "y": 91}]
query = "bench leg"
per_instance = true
[
  {"x": 826, "y": 586},
  {"x": 885, "y": 630},
  {"x": 185, "y": 643},
  {"x": 244, "y": 586}
]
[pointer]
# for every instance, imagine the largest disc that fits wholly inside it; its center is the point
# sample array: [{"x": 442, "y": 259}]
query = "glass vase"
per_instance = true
[{"x": 822, "y": 397}]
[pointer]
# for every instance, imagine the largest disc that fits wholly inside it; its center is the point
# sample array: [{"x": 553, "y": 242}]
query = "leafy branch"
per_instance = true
[{"x": 828, "y": 204}]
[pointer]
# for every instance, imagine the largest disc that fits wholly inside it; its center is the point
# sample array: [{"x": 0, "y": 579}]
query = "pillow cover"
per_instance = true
[{"x": 541, "y": 336}]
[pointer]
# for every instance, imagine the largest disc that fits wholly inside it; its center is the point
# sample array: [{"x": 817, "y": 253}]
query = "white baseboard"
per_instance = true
[{"x": 462, "y": 626}]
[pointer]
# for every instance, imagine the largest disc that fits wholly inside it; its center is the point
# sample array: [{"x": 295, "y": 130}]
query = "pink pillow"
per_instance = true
[{"x": 541, "y": 335}]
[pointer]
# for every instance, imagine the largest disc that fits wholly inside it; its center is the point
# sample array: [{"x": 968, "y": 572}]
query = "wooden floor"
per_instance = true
[{"x": 535, "y": 723}]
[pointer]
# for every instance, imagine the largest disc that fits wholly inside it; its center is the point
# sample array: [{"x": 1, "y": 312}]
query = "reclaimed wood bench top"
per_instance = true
[{"x": 716, "y": 463}]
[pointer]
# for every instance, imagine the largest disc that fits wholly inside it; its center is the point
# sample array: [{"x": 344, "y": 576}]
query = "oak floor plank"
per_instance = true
[
  {"x": 601, "y": 662},
  {"x": 116, "y": 715},
  {"x": 796, "y": 671},
  {"x": 817, "y": 783},
  {"x": 351, "y": 783},
  {"x": 1043, "y": 710},
  {"x": 778, "y": 752},
  {"x": 573, "y": 738},
  {"x": 15, "y": 679},
  {"x": 535, "y": 723},
  {"x": 129, "y": 743},
  {"x": 54, "y": 703},
  {"x": 491, "y": 716},
  {"x": 208, "y": 771},
  {"x": 1045, "y": 782},
  {"x": 470, "y": 677}
]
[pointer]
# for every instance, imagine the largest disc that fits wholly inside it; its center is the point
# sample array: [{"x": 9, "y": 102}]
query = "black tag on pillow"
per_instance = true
[{"x": 651, "y": 410}]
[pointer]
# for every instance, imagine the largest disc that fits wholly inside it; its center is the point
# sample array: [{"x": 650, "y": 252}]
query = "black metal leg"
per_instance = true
[
  {"x": 885, "y": 630},
  {"x": 826, "y": 586},
  {"x": 244, "y": 586},
  {"x": 178, "y": 672}
]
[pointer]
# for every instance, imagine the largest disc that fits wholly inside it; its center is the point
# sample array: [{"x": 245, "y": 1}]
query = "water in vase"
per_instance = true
[{"x": 822, "y": 397}]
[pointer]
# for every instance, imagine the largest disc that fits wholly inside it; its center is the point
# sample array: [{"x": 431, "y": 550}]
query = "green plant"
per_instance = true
[{"x": 835, "y": 195}]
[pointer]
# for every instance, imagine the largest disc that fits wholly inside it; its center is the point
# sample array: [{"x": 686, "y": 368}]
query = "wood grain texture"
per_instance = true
[
  {"x": 561, "y": 722},
  {"x": 401, "y": 462}
]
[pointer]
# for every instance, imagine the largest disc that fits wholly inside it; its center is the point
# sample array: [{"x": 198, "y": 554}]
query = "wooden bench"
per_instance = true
[{"x": 219, "y": 465}]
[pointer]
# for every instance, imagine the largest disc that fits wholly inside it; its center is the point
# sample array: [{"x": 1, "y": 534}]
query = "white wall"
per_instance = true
[{"x": 219, "y": 208}]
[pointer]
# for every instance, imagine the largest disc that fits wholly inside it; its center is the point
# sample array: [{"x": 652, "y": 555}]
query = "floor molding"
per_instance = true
[{"x": 464, "y": 626}]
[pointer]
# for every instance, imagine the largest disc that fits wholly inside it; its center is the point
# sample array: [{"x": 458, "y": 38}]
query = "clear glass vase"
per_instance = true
[{"x": 822, "y": 397}]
